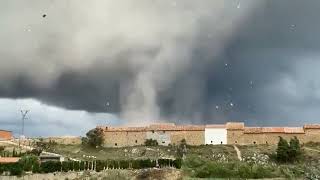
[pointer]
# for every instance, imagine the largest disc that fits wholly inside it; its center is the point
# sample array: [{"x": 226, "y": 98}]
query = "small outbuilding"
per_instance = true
[{"x": 5, "y": 135}]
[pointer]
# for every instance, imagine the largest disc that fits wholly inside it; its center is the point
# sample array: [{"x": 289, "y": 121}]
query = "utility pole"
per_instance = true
[{"x": 23, "y": 118}]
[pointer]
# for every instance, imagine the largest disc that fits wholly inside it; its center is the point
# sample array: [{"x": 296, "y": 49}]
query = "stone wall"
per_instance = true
[
  {"x": 64, "y": 140},
  {"x": 124, "y": 138},
  {"x": 269, "y": 138},
  {"x": 237, "y": 133},
  {"x": 192, "y": 137},
  {"x": 162, "y": 137},
  {"x": 234, "y": 136},
  {"x": 312, "y": 135}
]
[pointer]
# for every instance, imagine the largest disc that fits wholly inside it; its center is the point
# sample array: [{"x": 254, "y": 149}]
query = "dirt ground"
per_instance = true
[{"x": 147, "y": 174}]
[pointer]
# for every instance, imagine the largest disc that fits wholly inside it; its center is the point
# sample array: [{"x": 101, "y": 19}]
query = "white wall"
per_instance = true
[{"x": 215, "y": 135}]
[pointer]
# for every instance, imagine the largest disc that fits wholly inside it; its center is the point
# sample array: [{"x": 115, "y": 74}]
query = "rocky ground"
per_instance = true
[{"x": 148, "y": 174}]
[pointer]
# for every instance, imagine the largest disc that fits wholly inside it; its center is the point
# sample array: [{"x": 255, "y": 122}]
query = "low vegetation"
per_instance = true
[
  {"x": 151, "y": 142},
  {"x": 285, "y": 160}
]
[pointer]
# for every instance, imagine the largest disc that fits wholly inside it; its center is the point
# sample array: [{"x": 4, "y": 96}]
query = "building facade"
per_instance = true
[
  {"x": 229, "y": 133},
  {"x": 5, "y": 135}
]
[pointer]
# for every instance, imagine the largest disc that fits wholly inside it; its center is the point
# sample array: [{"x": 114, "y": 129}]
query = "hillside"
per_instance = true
[
  {"x": 200, "y": 160},
  {"x": 257, "y": 161}
]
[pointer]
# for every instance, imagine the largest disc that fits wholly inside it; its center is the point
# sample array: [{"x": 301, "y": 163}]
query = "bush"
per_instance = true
[
  {"x": 288, "y": 152},
  {"x": 15, "y": 169},
  {"x": 282, "y": 150},
  {"x": 29, "y": 163},
  {"x": 95, "y": 138},
  {"x": 50, "y": 166},
  {"x": 233, "y": 170},
  {"x": 151, "y": 142},
  {"x": 177, "y": 163}
]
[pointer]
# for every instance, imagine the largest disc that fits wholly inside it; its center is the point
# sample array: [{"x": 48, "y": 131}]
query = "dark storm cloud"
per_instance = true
[
  {"x": 198, "y": 62},
  {"x": 270, "y": 56}
]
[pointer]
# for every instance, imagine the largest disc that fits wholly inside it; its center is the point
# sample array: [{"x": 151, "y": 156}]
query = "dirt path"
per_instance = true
[
  {"x": 310, "y": 149},
  {"x": 238, "y": 152}
]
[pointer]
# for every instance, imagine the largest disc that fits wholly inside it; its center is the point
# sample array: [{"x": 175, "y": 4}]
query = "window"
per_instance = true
[
  {"x": 236, "y": 142},
  {"x": 266, "y": 142},
  {"x": 136, "y": 141},
  {"x": 254, "y": 142},
  {"x": 211, "y": 142},
  {"x": 152, "y": 131},
  {"x": 163, "y": 142},
  {"x": 115, "y": 144},
  {"x": 221, "y": 142},
  {"x": 164, "y": 131}
]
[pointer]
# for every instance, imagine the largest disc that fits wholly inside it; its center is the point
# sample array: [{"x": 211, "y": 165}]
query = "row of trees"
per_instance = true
[
  {"x": 31, "y": 163},
  {"x": 289, "y": 152}
]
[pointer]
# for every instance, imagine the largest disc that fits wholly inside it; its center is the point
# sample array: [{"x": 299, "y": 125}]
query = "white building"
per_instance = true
[{"x": 215, "y": 134}]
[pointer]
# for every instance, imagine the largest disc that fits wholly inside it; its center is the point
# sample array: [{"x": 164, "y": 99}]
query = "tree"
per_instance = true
[
  {"x": 288, "y": 152},
  {"x": 295, "y": 149},
  {"x": 282, "y": 150},
  {"x": 95, "y": 138}
]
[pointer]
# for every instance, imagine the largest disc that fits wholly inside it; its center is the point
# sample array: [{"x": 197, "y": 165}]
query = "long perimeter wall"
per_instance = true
[{"x": 229, "y": 133}]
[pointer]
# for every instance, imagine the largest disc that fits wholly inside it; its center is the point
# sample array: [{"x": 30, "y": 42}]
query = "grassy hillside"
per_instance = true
[
  {"x": 214, "y": 160},
  {"x": 211, "y": 161}
]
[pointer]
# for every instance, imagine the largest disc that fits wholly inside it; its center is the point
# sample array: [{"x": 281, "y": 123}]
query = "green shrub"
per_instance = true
[
  {"x": 16, "y": 169},
  {"x": 151, "y": 142},
  {"x": 50, "y": 166},
  {"x": 177, "y": 163},
  {"x": 28, "y": 162},
  {"x": 99, "y": 166},
  {"x": 288, "y": 152}
]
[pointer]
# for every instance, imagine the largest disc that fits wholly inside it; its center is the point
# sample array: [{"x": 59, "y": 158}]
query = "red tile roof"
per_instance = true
[
  {"x": 286, "y": 130},
  {"x": 157, "y": 127},
  {"x": 5, "y": 160},
  {"x": 311, "y": 126}
]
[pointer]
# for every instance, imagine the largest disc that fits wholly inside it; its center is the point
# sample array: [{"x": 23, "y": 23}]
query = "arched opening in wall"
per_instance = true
[
  {"x": 164, "y": 131},
  {"x": 221, "y": 142},
  {"x": 116, "y": 144},
  {"x": 152, "y": 131},
  {"x": 236, "y": 142},
  {"x": 163, "y": 142},
  {"x": 211, "y": 142},
  {"x": 136, "y": 141},
  {"x": 266, "y": 142},
  {"x": 254, "y": 142}
]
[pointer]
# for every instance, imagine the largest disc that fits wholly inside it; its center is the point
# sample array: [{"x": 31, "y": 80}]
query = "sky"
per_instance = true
[{"x": 76, "y": 65}]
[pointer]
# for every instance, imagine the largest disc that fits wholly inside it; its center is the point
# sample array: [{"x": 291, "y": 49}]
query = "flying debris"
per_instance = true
[
  {"x": 292, "y": 26},
  {"x": 251, "y": 83},
  {"x": 217, "y": 107},
  {"x": 238, "y": 6},
  {"x": 44, "y": 15},
  {"x": 108, "y": 104},
  {"x": 231, "y": 104}
]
